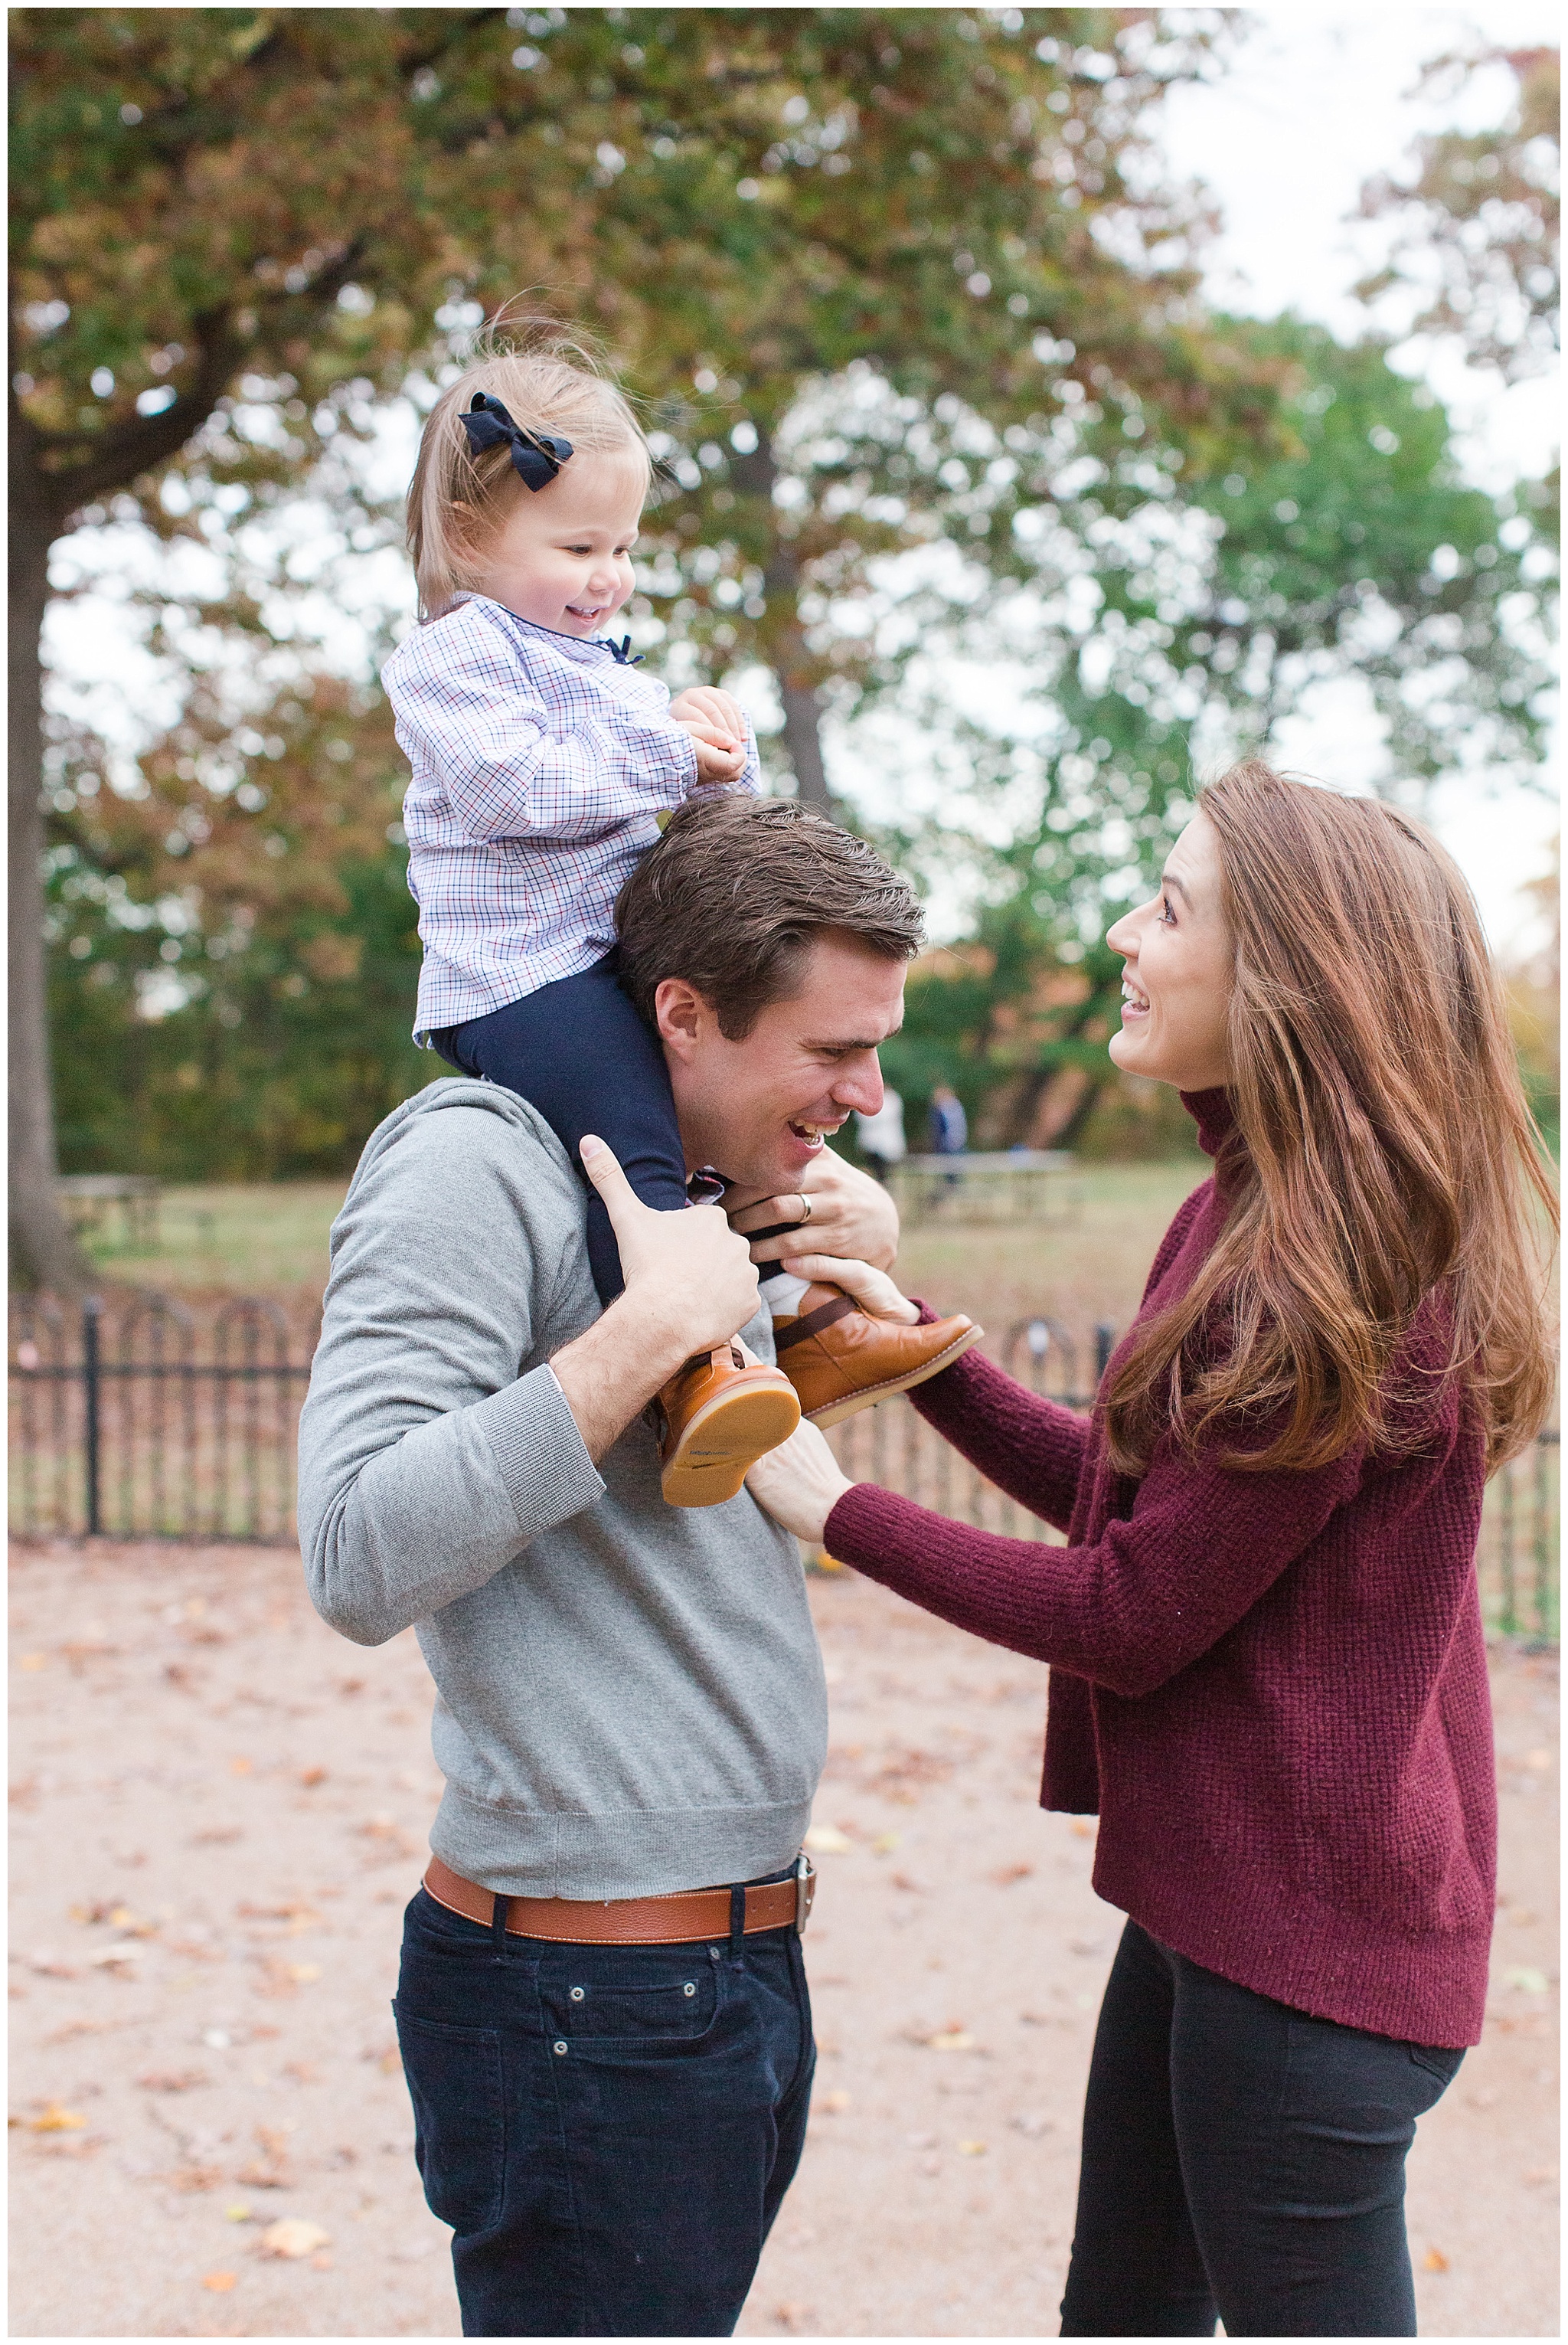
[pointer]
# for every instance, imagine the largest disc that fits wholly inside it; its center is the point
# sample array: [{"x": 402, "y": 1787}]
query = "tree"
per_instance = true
[
  {"x": 1479, "y": 223},
  {"x": 235, "y": 230},
  {"x": 273, "y": 920},
  {"x": 1208, "y": 617}
]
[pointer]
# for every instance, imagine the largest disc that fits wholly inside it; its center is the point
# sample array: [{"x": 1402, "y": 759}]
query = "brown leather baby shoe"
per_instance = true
[
  {"x": 840, "y": 1359},
  {"x": 719, "y": 1417}
]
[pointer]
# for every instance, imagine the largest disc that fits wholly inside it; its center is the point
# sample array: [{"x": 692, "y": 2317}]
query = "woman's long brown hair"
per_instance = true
[{"x": 1384, "y": 1153}]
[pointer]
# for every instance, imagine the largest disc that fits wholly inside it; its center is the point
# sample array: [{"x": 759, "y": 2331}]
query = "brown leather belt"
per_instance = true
[{"x": 631, "y": 1921}]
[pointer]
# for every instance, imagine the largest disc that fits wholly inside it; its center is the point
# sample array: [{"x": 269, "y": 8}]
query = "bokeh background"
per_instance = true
[{"x": 1050, "y": 404}]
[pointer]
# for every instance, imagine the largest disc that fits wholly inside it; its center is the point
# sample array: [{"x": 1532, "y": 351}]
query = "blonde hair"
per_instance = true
[{"x": 458, "y": 499}]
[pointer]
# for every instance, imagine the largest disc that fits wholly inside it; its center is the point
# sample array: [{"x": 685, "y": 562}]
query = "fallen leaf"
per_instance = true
[
  {"x": 833, "y": 2103},
  {"x": 1008, "y": 1873},
  {"x": 1032, "y": 2127},
  {"x": 221, "y": 2282},
  {"x": 34, "y": 1661},
  {"x": 311, "y": 1776},
  {"x": 52, "y": 1965},
  {"x": 911, "y": 1888},
  {"x": 304, "y": 1974},
  {"x": 1528, "y": 1982},
  {"x": 55, "y": 2119},
  {"x": 1082, "y": 1828},
  {"x": 951, "y": 2039},
  {"x": 826, "y": 1840},
  {"x": 886, "y": 1842},
  {"x": 237, "y": 2213},
  {"x": 1434, "y": 2260},
  {"x": 128, "y": 1950},
  {"x": 971, "y": 2149},
  {"x": 172, "y": 2080},
  {"x": 293, "y": 2237},
  {"x": 320, "y": 2263},
  {"x": 239, "y": 1766}
]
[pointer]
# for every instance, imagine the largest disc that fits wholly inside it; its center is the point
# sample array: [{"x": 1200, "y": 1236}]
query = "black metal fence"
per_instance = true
[{"x": 152, "y": 1417}]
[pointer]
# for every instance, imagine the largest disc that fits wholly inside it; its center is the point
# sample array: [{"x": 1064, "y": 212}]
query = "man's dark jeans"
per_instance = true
[
  {"x": 608, "y": 2130},
  {"x": 1241, "y": 2161}
]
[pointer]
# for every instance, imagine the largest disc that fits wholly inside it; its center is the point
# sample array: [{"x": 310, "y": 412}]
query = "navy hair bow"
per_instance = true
[{"x": 536, "y": 456}]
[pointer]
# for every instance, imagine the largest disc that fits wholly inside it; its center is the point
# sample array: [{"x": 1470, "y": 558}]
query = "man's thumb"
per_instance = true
[{"x": 602, "y": 1168}]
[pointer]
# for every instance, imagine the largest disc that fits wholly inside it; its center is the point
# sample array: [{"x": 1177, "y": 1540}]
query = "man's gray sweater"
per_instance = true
[{"x": 629, "y": 1696}]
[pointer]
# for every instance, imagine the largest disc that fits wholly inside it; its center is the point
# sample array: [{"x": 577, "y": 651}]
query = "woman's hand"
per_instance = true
[
  {"x": 871, "y": 1289},
  {"x": 851, "y": 1215},
  {"x": 800, "y": 1482}
]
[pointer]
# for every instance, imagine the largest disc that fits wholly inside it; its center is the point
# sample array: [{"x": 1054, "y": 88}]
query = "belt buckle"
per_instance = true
[{"x": 805, "y": 1891}]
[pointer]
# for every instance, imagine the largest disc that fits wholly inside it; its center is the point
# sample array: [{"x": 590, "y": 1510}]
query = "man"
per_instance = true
[{"x": 610, "y": 2060}]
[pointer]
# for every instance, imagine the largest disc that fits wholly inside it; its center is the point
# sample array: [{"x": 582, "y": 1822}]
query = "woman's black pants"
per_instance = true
[{"x": 1241, "y": 2161}]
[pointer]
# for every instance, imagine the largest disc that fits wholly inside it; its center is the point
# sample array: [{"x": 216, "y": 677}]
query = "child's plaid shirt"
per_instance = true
[{"x": 539, "y": 762}]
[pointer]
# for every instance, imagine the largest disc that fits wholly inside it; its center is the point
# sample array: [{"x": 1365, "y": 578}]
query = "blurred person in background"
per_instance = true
[
  {"x": 1269, "y": 1671},
  {"x": 949, "y": 1127},
  {"x": 881, "y": 1135}
]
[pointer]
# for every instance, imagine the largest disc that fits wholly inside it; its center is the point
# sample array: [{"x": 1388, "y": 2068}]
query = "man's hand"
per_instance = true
[
  {"x": 851, "y": 1215},
  {"x": 689, "y": 1284},
  {"x": 800, "y": 1482}
]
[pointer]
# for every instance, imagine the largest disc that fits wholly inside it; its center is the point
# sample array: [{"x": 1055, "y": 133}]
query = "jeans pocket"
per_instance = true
[
  {"x": 456, "y": 2081},
  {"x": 672, "y": 2006}
]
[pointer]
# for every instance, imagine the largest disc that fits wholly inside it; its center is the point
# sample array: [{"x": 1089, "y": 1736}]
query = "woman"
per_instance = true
[{"x": 1269, "y": 1673}]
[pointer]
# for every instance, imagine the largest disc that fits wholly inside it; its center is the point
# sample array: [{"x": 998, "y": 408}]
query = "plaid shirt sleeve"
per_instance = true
[{"x": 521, "y": 757}]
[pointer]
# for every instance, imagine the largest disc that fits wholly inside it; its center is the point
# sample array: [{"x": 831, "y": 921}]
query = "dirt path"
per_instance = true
[{"x": 219, "y": 1808}]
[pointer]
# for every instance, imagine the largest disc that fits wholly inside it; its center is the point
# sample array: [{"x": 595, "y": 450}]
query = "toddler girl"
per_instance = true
[{"x": 542, "y": 756}]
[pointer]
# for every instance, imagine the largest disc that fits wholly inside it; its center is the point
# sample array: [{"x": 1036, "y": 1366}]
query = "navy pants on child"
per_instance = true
[
  {"x": 578, "y": 1052},
  {"x": 608, "y": 2130}
]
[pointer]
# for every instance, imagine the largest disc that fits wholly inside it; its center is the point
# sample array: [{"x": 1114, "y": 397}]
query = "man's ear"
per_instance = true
[{"x": 680, "y": 1013}]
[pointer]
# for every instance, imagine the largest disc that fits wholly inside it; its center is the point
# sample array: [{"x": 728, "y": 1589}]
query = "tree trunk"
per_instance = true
[
  {"x": 754, "y": 475},
  {"x": 43, "y": 1251},
  {"x": 802, "y": 739}
]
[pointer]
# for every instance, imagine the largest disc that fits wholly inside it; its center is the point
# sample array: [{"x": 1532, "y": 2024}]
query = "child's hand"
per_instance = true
[
  {"x": 723, "y": 718},
  {"x": 719, "y": 760}
]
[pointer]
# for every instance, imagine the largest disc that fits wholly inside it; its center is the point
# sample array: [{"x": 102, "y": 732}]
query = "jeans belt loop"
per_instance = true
[{"x": 805, "y": 1891}]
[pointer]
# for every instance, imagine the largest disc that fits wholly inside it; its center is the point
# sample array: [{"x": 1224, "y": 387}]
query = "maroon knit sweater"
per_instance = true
[{"x": 1271, "y": 1686}]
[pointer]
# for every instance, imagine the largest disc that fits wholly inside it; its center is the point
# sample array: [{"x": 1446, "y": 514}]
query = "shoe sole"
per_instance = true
[
  {"x": 837, "y": 1411},
  {"x": 726, "y": 1435}
]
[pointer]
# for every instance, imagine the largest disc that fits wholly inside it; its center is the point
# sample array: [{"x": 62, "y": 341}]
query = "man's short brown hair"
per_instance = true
[{"x": 735, "y": 893}]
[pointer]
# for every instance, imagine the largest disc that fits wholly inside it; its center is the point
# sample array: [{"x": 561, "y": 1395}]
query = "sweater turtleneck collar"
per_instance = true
[{"x": 1213, "y": 1114}]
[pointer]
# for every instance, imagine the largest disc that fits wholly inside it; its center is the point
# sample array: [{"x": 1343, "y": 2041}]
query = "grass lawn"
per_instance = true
[{"x": 1089, "y": 1264}]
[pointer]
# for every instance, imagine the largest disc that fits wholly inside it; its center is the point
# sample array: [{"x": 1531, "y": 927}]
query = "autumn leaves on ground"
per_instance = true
[{"x": 219, "y": 1808}]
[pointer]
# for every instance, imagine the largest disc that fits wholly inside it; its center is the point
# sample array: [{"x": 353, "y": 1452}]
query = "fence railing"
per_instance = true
[{"x": 152, "y": 1417}]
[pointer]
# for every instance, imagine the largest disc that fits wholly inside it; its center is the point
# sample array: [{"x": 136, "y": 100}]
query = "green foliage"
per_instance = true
[
  {"x": 1359, "y": 556},
  {"x": 1485, "y": 208},
  {"x": 272, "y": 928}
]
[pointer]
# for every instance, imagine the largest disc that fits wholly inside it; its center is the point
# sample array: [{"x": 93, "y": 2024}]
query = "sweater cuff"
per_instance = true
[
  {"x": 539, "y": 1452},
  {"x": 855, "y": 1531}
]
